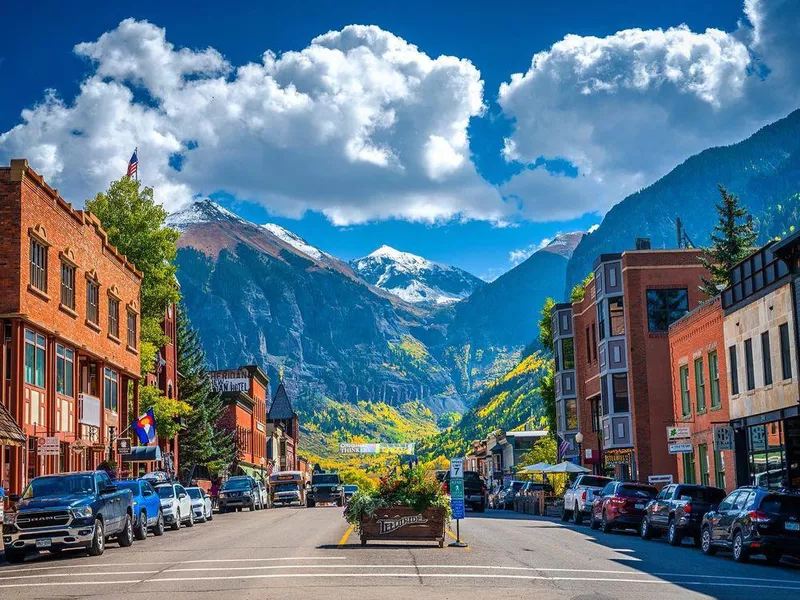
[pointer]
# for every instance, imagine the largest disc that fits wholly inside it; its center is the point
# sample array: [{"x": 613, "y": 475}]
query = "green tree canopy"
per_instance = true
[
  {"x": 165, "y": 410},
  {"x": 547, "y": 381},
  {"x": 732, "y": 240},
  {"x": 579, "y": 291},
  {"x": 135, "y": 224}
]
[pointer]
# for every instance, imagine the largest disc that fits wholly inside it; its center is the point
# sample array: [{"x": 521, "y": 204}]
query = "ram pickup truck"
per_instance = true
[
  {"x": 579, "y": 496},
  {"x": 70, "y": 510}
]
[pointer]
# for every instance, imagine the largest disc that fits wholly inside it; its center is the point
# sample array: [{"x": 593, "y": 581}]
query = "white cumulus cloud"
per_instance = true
[
  {"x": 360, "y": 125},
  {"x": 626, "y": 108}
]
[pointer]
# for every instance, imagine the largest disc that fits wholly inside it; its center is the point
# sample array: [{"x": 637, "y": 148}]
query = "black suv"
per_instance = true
[
  {"x": 474, "y": 490},
  {"x": 325, "y": 487},
  {"x": 754, "y": 521},
  {"x": 678, "y": 509}
]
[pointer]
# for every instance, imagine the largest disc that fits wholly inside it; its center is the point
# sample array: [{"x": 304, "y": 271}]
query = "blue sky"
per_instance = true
[{"x": 506, "y": 207}]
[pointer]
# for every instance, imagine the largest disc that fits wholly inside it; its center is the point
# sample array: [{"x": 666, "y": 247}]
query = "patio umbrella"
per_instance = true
[
  {"x": 566, "y": 467},
  {"x": 540, "y": 467}
]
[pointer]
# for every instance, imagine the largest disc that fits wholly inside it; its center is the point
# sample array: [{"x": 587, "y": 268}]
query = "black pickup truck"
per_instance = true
[
  {"x": 474, "y": 490},
  {"x": 70, "y": 510},
  {"x": 678, "y": 509}
]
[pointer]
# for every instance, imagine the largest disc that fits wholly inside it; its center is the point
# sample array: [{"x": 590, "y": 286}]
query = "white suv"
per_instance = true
[{"x": 176, "y": 505}]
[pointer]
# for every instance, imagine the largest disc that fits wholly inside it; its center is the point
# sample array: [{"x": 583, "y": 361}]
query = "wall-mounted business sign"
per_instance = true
[
  {"x": 231, "y": 381},
  {"x": 680, "y": 448},
  {"x": 653, "y": 479},
  {"x": 723, "y": 437},
  {"x": 680, "y": 432}
]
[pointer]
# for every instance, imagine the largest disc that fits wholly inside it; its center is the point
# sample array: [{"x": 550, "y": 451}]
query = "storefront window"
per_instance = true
[
  {"x": 766, "y": 454},
  {"x": 34, "y": 358}
]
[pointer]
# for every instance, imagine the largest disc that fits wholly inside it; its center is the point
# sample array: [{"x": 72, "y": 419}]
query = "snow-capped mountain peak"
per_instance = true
[
  {"x": 296, "y": 242},
  {"x": 202, "y": 211},
  {"x": 564, "y": 244},
  {"x": 414, "y": 278}
]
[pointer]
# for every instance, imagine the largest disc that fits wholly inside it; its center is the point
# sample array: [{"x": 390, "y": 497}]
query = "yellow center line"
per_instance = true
[{"x": 346, "y": 535}]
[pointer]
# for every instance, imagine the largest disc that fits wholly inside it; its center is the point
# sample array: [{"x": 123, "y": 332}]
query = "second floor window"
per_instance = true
[
  {"x": 111, "y": 390},
  {"x": 113, "y": 317},
  {"x": 664, "y": 307},
  {"x": 616, "y": 315},
  {"x": 700, "y": 385},
  {"x": 686, "y": 404},
  {"x": 93, "y": 302},
  {"x": 713, "y": 377},
  {"x": 568, "y": 353},
  {"x": 786, "y": 360},
  {"x": 68, "y": 285},
  {"x": 65, "y": 370},
  {"x": 35, "y": 345},
  {"x": 766, "y": 358},
  {"x": 748, "y": 364},
  {"x": 38, "y": 265},
  {"x": 132, "y": 335},
  {"x": 733, "y": 364}
]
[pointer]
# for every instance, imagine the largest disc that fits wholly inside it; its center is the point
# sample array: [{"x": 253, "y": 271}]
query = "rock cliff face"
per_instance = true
[{"x": 258, "y": 297}]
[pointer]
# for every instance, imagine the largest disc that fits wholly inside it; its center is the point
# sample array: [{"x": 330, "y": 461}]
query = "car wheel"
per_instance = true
[
  {"x": 190, "y": 522},
  {"x": 594, "y": 523},
  {"x": 740, "y": 553},
  {"x": 565, "y": 514},
  {"x": 158, "y": 530},
  {"x": 211, "y": 515},
  {"x": 606, "y": 524},
  {"x": 98, "y": 545},
  {"x": 14, "y": 556},
  {"x": 577, "y": 515},
  {"x": 125, "y": 537},
  {"x": 674, "y": 534},
  {"x": 140, "y": 530},
  {"x": 705, "y": 542},
  {"x": 644, "y": 530},
  {"x": 177, "y": 524}
]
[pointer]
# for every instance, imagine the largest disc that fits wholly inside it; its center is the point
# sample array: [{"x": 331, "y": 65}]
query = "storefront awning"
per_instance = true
[
  {"x": 142, "y": 454},
  {"x": 254, "y": 472},
  {"x": 10, "y": 433}
]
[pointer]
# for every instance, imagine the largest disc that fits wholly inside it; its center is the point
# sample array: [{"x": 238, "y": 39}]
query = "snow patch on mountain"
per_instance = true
[
  {"x": 202, "y": 211},
  {"x": 297, "y": 242}
]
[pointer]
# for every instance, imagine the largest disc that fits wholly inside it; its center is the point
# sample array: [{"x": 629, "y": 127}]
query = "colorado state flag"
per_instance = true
[{"x": 145, "y": 427}]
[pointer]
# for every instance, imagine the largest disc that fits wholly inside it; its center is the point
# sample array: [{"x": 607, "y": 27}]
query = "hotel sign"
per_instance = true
[{"x": 231, "y": 381}]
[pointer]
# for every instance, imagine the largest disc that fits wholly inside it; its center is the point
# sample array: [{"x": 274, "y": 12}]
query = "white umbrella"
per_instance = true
[
  {"x": 540, "y": 467},
  {"x": 566, "y": 467}
]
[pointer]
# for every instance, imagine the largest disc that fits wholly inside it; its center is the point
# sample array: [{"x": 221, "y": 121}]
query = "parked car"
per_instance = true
[
  {"x": 263, "y": 496},
  {"x": 494, "y": 497},
  {"x": 533, "y": 487},
  {"x": 580, "y": 495},
  {"x": 507, "y": 494},
  {"x": 201, "y": 504},
  {"x": 325, "y": 487},
  {"x": 678, "y": 509},
  {"x": 621, "y": 505},
  {"x": 147, "y": 514},
  {"x": 239, "y": 492},
  {"x": 175, "y": 505},
  {"x": 70, "y": 510},
  {"x": 754, "y": 521},
  {"x": 349, "y": 492},
  {"x": 474, "y": 490}
]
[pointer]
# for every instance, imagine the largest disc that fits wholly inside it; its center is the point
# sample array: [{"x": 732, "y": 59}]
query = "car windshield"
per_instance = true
[
  {"x": 133, "y": 486},
  {"x": 637, "y": 491},
  {"x": 57, "y": 486},
  {"x": 286, "y": 487},
  {"x": 194, "y": 493},
  {"x": 236, "y": 484},
  {"x": 592, "y": 481},
  {"x": 165, "y": 491},
  {"x": 325, "y": 479},
  {"x": 702, "y": 494},
  {"x": 779, "y": 504}
]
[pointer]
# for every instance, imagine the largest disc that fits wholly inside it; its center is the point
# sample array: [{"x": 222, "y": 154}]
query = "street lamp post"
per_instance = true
[{"x": 579, "y": 441}]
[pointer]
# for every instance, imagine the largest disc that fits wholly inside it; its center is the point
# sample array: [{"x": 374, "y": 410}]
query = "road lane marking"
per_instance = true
[
  {"x": 84, "y": 574},
  {"x": 21, "y": 585},
  {"x": 346, "y": 535},
  {"x": 283, "y": 558}
]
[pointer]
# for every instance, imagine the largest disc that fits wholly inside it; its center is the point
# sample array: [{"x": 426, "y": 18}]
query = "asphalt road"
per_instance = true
[{"x": 310, "y": 553}]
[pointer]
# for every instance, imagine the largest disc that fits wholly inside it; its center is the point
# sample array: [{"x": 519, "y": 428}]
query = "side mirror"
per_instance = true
[
  {"x": 14, "y": 498},
  {"x": 109, "y": 489}
]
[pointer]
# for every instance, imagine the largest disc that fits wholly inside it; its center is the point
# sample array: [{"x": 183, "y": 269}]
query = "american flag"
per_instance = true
[
  {"x": 563, "y": 448},
  {"x": 133, "y": 165}
]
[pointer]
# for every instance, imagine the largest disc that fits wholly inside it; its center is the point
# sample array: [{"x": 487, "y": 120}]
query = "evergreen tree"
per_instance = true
[
  {"x": 547, "y": 381},
  {"x": 204, "y": 442},
  {"x": 732, "y": 240}
]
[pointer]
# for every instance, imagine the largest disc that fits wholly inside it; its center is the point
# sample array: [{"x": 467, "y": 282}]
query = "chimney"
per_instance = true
[{"x": 643, "y": 243}]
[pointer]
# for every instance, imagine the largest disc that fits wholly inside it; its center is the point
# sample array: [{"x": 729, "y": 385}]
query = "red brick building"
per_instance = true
[
  {"x": 625, "y": 391},
  {"x": 700, "y": 393},
  {"x": 69, "y": 312}
]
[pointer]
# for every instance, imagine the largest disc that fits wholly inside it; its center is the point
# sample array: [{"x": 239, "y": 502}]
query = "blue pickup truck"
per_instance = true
[{"x": 70, "y": 510}]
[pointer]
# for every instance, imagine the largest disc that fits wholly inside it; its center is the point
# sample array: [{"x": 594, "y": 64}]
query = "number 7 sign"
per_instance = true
[{"x": 456, "y": 468}]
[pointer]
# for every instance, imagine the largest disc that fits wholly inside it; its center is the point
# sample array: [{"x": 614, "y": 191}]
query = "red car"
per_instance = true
[{"x": 621, "y": 505}]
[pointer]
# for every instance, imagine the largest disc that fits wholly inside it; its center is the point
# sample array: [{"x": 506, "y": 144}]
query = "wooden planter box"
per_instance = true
[{"x": 401, "y": 523}]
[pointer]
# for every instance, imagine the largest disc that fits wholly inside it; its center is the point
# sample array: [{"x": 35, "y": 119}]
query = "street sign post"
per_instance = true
[
  {"x": 680, "y": 448},
  {"x": 457, "y": 497}
]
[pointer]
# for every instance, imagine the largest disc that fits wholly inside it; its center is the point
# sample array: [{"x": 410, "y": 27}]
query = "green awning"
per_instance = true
[
  {"x": 254, "y": 472},
  {"x": 142, "y": 454}
]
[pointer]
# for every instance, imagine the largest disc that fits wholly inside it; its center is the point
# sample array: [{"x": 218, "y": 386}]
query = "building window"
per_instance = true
[
  {"x": 92, "y": 302},
  {"x": 132, "y": 329},
  {"x": 616, "y": 316},
  {"x": 713, "y": 376},
  {"x": 612, "y": 277},
  {"x": 702, "y": 454},
  {"x": 688, "y": 468},
  {"x": 65, "y": 370},
  {"x": 594, "y": 343},
  {"x": 719, "y": 469},
  {"x": 604, "y": 393},
  {"x": 619, "y": 384},
  {"x": 601, "y": 319},
  {"x": 68, "y": 285},
  {"x": 588, "y": 347},
  {"x": 748, "y": 364},
  {"x": 571, "y": 408},
  {"x": 786, "y": 360},
  {"x": 733, "y": 364},
  {"x": 766, "y": 358},
  {"x": 38, "y": 257},
  {"x": 664, "y": 307},
  {"x": 111, "y": 390},
  {"x": 568, "y": 353},
  {"x": 113, "y": 317},
  {"x": 686, "y": 405},
  {"x": 700, "y": 385},
  {"x": 594, "y": 404},
  {"x": 35, "y": 345}
]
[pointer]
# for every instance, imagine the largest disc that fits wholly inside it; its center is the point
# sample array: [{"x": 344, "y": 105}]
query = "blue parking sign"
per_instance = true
[{"x": 457, "y": 506}]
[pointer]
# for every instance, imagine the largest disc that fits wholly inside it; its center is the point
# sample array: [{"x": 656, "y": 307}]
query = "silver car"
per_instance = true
[{"x": 201, "y": 504}]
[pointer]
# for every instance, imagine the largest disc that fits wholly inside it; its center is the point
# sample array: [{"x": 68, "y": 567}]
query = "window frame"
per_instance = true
[
  {"x": 733, "y": 368},
  {"x": 113, "y": 317},
  {"x": 686, "y": 399},
  {"x": 37, "y": 264},
  {"x": 699, "y": 385},
  {"x": 786, "y": 352},
  {"x": 615, "y": 398},
  {"x": 38, "y": 343},
  {"x": 93, "y": 293},
  {"x": 766, "y": 357},
  {"x": 749, "y": 366},
  {"x": 68, "y": 294},
  {"x": 705, "y": 467},
  {"x": 719, "y": 469},
  {"x": 689, "y": 473},
  {"x": 65, "y": 361},
  {"x": 132, "y": 329},
  {"x": 616, "y": 316},
  {"x": 664, "y": 312},
  {"x": 568, "y": 364},
  {"x": 110, "y": 401},
  {"x": 713, "y": 380}
]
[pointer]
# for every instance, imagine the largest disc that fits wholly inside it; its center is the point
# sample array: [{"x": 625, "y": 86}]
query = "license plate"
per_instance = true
[
  {"x": 639, "y": 505},
  {"x": 793, "y": 526},
  {"x": 44, "y": 543}
]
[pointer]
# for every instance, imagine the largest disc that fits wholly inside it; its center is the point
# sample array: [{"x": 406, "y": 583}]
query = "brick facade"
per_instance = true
[
  {"x": 587, "y": 375},
  {"x": 700, "y": 401}
]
